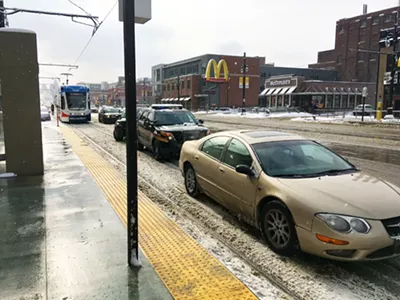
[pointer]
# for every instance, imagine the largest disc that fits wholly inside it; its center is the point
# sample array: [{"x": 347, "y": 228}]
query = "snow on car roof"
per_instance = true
[{"x": 260, "y": 136}]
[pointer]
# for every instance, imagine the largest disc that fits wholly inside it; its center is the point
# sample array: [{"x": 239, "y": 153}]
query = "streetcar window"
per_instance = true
[{"x": 62, "y": 102}]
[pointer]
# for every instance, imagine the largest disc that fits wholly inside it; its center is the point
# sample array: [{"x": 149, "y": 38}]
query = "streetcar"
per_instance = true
[{"x": 73, "y": 104}]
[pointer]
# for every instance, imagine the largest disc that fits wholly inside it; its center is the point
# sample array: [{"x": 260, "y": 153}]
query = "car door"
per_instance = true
[
  {"x": 141, "y": 128},
  {"x": 238, "y": 191},
  {"x": 206, "y": 162}
]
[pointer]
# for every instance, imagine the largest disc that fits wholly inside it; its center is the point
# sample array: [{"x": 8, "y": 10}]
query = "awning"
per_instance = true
[
  {"x": 283, "y": 91},
  {"x": 164, "y": 100},
  {"x": 270, "y": 91},
  {"x": 187, "y": 99},
  {"x": 276, "y": 92},
  {"x": 290, "y": 90},
  {"x": 264, "y": 92}
]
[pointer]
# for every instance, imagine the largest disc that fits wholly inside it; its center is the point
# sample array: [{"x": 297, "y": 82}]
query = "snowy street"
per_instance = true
[{"x": 238, "y": 246}]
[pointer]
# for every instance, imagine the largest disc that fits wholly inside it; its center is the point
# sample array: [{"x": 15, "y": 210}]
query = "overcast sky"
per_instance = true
[{"x": 287, "y": 32}]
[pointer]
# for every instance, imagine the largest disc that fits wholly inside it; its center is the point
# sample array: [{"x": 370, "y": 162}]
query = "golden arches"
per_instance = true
[{"x": 217, "y": 70}]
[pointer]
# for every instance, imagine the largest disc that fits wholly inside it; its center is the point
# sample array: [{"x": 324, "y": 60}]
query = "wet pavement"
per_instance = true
[{"x": 60, "y": 238}]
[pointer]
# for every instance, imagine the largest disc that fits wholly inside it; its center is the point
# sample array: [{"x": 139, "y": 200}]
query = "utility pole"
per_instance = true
[
  {"x": 244, "y": 83},
  {"x": 394, "y": 66},
  {"x": 131, "y": 134},
  {"x": 179, "y": 86},
  {"x": 2, "y": 15}
]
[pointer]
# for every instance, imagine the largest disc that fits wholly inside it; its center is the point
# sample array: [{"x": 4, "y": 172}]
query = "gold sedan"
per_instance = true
[{"x": 300, "y": 194}]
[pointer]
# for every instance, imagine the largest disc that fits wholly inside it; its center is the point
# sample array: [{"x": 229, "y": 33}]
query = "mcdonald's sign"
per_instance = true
[{"x": 217, "y": 71}]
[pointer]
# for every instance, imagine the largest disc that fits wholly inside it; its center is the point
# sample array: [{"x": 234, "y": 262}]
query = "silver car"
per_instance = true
[{"x": 44, "y": 114}]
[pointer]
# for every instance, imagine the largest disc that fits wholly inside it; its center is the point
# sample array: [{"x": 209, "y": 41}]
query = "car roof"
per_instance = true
[{"x": 261, "y": 136}]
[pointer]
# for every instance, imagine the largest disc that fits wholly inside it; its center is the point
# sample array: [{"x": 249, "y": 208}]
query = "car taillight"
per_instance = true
[{"x": 64, "y": 115}]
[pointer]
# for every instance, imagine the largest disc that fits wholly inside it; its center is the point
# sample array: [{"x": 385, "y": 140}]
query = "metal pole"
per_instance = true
[
  {"x": 2, "y": 15},
  {"x": 363, "y": 109},
  {"x": 393, "y": 71},
  {"x": 179, "y": 87},
  {"x": 131, "y": 135},
  {"x": 244, "y": 83}
]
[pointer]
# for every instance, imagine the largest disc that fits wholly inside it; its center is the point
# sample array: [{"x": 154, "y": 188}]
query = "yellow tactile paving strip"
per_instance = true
[{"x": 185, "y": 267}]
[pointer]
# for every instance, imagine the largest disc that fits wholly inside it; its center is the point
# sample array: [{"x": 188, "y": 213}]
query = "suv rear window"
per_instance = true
[{"x": 172, "y": 117}]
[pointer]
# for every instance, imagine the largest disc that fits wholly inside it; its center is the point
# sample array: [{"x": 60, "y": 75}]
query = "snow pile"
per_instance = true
[{"x": 251, "y": 115}]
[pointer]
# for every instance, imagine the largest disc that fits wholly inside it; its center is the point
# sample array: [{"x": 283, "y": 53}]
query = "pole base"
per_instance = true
[{"x": 135, "y": 261}]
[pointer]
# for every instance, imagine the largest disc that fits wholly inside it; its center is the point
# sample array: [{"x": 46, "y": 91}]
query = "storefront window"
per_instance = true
[
  {"x": 279, "y": 101},
  {"x": 344, "y": 101},
  {"x": 329, "y": 101},
  {"x": 286, "y": 100},
  {"x": 352, "y": 101},
  {"x": 337, "y": 101},
  {"x": 273, "y": 101}
]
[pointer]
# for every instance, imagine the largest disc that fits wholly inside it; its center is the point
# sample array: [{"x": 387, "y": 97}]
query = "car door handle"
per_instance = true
[
  {"x": 221, "y": 170},
  {"x": 196, "y": 157}
]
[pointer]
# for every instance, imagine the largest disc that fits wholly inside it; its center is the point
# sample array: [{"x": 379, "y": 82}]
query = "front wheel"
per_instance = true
[
  {"x": 157, "y": 150},
  {"x": 191, "y": 184},
  {"x": 118, "y": 135},
  {"x": 278, "y": 228}
]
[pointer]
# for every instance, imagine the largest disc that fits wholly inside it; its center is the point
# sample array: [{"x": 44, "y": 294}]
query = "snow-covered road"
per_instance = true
[{"x": 240, "y": 248}]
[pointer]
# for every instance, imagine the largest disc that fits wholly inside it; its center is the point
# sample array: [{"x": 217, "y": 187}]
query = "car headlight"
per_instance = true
[{"x": 345, "y": 224}]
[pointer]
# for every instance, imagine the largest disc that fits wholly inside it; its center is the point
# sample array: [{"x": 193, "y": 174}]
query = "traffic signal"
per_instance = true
[{"x": 386, "y": 37}]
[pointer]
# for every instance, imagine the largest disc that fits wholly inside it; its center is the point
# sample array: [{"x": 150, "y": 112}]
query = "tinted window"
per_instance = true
[
  {"x": 112, "y": 110},
  {"x": 298, "y": 158},
  {"x": 172, "y": 117},
  {"x": 237, "y": 154},
  {"x": 215, "y": 146}
]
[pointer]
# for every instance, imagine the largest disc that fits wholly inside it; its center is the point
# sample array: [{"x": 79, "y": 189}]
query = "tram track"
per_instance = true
[{"x": 378, "y": 280}]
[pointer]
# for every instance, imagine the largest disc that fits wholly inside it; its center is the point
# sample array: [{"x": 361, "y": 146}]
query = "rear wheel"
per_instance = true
[
  {"x": 191, "y": 184},
  {"x": 100, "y": 119},
  {"x": 278, "y": 228}
]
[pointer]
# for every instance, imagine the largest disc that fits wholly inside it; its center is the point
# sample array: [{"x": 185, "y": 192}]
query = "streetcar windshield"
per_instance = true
[{"x": 76, "y": 101}]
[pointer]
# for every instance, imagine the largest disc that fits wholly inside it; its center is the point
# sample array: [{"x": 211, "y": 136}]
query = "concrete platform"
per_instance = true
[{"x": 61, "y": 239}]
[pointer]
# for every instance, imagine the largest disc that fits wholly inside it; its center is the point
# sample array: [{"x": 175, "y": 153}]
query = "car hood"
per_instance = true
[
  {"x": 181, "y": 127},
  {"x": 357, "y": 194},
  {"x": 112, "y": 114}
]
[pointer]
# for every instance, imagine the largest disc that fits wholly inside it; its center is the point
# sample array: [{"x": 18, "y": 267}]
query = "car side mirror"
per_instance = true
[
  {"x": 246, "y": 170},
  {"x": 201, "y": 121}
]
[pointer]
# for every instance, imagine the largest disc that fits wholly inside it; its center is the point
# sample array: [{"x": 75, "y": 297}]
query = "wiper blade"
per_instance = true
[
  {"x": 336, "y": 171},
  {"x": 289, "y": 176}
]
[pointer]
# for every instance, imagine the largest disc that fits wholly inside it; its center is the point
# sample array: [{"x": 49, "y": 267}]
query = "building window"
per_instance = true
[
  {"x": 341, "y": 29},
  {"x": 188, "y": 84},
  {"x": 182, "y": 84},
  {"x": 173, "y": 86},
  {"x": 375, "y": 20},
  {"x": 388, "y": 18},
  {"x": 363, "y": 23},
  {"x": 339, "y": 59},
  {"x": 158, "y": 75}
]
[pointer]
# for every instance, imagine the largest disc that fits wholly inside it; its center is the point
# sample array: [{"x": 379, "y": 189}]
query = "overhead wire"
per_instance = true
[{"x": 91, "y": 38}]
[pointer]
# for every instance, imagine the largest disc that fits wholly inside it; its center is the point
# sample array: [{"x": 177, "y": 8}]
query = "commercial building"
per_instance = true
[
  {"x": 353, "y": 36},
  {"x": 281, "y": 92},
  {"x": 185, "y": 82}
]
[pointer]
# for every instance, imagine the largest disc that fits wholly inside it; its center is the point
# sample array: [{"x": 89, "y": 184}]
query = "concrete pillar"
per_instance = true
[{"x": 19, "y": 72}]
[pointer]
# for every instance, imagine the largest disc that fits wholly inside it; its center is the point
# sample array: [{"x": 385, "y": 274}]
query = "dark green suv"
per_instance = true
[{"x": 163, "y": 129}]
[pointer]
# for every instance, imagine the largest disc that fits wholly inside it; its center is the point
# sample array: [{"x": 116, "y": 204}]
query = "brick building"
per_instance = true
[
  {"x": 354, "y": 34},
  {"x": 195, "y": 92}
]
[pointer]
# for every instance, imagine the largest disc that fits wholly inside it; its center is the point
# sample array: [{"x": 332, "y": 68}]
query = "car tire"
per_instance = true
[
  {"x": 191, "y": 184},
  {"x": 99, "y": 119},
  {"x": 156, "y": 150},
  {"x": 118, "y": 135},
  {"x": 278, "y": 228},
  {"x": 140, "y": 146}
]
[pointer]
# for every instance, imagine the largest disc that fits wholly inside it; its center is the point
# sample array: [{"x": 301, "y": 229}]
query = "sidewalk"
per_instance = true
[{"x": 60, "y": 238}]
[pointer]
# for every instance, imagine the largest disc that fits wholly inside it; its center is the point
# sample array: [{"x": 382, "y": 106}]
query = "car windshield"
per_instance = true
[
  {"x": 44, "y": 109},
  {"x": 299, "y": 159},
  {"x": 76, "y": 101},
  {"x": 112, "y": 110},
  {"x": 173, "y": 117}
]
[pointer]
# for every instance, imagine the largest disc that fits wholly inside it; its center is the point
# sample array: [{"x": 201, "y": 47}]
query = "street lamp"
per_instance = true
[{"x": 67, "y": 76}]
